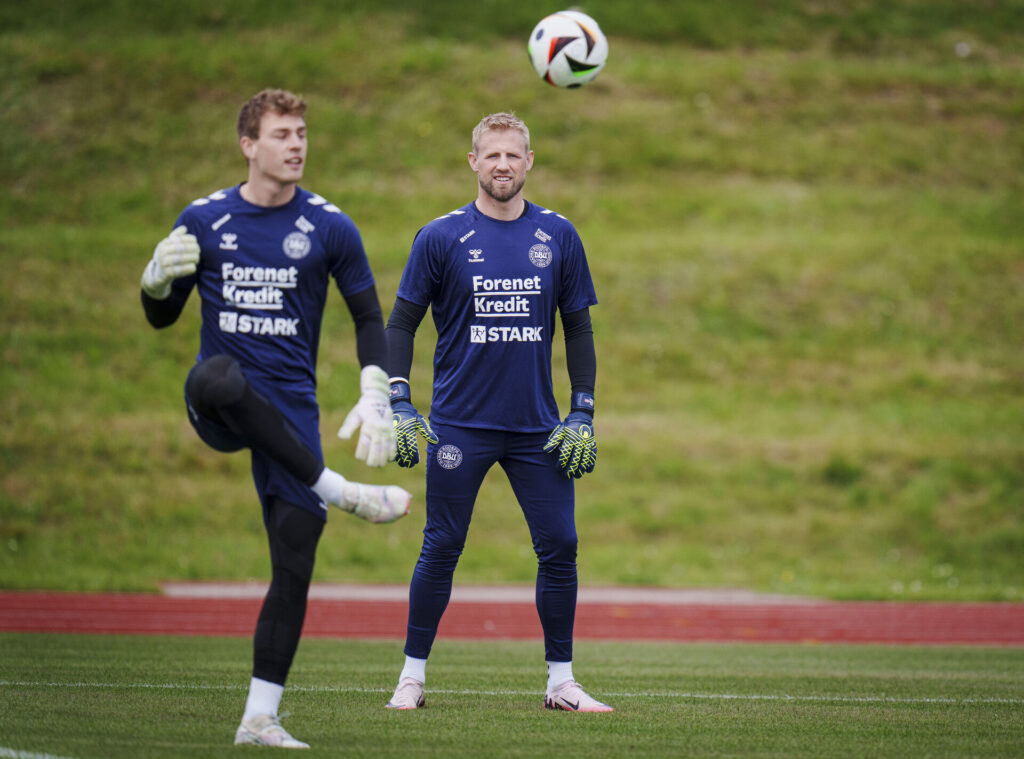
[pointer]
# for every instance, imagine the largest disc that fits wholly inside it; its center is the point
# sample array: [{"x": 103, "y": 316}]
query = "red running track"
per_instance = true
[{"x": 665, "y": 617}]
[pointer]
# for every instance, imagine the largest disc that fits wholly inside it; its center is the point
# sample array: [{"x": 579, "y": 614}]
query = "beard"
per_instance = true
[{"x": 502, "y": 192}]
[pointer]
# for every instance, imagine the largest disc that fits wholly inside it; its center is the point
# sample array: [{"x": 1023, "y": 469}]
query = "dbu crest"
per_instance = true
[
  {"x": 540, "y": 256},
  {"x": 297, "y": 245},
  {"x": 449, "y": 456}
]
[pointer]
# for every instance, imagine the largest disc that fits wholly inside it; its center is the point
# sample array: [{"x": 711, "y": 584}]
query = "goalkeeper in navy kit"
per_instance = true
[
  {"x": 262, "y": 255},
  {"x": 494, "y": 273}
]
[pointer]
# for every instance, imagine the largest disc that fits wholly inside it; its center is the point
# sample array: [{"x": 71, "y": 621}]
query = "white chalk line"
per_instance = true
[
  {"x": 677, "y": 695},
  {"x": 13, "y": 753}
]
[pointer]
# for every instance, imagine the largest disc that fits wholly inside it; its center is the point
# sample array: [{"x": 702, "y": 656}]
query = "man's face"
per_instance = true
[
  {"x": 501, "y": 162},
  {"x": 279, "y": 153}
]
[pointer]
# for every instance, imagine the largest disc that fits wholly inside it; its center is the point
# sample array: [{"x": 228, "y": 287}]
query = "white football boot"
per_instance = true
[
  {"x": 570, "y": 697},
  {"x": 265, "y": 730},
  {"x": 375, "y": 503},
  {"x": 408, "y": 695}
]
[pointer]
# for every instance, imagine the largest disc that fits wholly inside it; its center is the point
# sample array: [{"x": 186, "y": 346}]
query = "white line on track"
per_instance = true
[
  {"x": 682, "y": 696},
  {"x": 13, "y": 753},
  {"x": 492, "y": 594}
]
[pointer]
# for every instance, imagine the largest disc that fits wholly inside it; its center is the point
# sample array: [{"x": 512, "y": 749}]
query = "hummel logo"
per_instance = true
[
  {"x": 476, "y": 256},
  {"x": 227, "y": 241}
]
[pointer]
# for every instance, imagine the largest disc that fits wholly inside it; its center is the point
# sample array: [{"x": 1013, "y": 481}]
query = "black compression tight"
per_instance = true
[
  {"x": 217, "y": 389},
  {"x": 293, "y": 533}
]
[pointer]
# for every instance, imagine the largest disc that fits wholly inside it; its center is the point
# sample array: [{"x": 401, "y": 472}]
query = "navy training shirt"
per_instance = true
[
  {"x": 494, "y": 288},
  {"x": 263, "y": 277}
]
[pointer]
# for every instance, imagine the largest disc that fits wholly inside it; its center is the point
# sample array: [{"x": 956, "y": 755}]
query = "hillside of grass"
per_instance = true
[{"x": 804, "y": 224}]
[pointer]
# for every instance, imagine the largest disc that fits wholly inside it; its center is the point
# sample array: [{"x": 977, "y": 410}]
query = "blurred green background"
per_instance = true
[{"x": 804, "y": 220}]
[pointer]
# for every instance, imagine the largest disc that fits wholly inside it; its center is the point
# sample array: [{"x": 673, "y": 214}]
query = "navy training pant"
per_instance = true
[{"x": 456, "y": 467}]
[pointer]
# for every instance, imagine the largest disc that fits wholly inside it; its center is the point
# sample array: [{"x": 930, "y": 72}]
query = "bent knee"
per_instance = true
[{"x": 215, "y": 382}]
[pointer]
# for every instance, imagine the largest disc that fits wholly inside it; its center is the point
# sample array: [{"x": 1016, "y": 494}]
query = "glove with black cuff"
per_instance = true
[
  {"x": 574, "y": 438},
  {"x": 407, "y": 422}
]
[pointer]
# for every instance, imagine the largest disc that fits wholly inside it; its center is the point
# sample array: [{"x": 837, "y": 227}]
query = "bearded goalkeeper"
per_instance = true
[{"x": 495, "y": 273}]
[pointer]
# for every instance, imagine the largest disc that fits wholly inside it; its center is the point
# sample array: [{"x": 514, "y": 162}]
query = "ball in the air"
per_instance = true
[{"x": 568, "y": 49}]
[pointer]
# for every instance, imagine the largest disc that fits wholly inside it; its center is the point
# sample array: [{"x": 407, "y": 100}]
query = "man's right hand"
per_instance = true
[
  {"x": 408, "y": 421},
  {"x": 177, "y": 255}
]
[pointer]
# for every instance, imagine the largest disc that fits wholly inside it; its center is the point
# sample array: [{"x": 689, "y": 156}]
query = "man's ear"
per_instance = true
[{"x": 248, "y": 146}]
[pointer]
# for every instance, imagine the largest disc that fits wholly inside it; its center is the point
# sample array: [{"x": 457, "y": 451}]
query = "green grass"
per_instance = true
[
  {"x": 803, "y": 220},
  {"x": 110, "y": 697}
]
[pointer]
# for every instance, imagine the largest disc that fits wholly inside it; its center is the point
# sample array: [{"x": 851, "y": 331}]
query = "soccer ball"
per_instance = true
[{"x": 568, "y": 49}]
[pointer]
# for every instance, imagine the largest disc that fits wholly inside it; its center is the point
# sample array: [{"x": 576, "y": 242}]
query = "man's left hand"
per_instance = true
[
  {"x": 372, "y": 414},
  {"x": 574, "y": 441}
]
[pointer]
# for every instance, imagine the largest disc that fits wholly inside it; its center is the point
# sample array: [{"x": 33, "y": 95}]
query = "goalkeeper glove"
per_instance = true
[
  {"x": 177, "y": 255},
  {"x": 372, "y": 414},
  {"x": 574, "y": 438},
  {"x": 407, "y": 422}
]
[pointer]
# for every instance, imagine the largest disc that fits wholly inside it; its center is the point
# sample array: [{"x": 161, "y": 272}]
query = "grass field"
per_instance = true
[
  {"x": 110, "y": 697},
  {"x": 803, "y": 219}
]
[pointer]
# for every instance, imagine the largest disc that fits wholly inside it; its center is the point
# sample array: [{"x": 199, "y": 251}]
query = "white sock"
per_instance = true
[
  {"x": 332, "y": 487},
  {"x": 264, "y": 698},
  {"x": 558, "y": 673},
  {"x": 414, "y": 668}
]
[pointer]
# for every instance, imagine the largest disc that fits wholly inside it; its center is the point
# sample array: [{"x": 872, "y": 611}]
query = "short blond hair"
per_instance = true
[
  {"x": 267, "y": 101},
  {"x": 498, "y": 122}
]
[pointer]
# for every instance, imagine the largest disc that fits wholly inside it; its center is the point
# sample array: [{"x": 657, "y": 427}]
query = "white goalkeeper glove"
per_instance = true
[
  {"x": 177, "y": 255},
  {"x": 373, "y": 415}
]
